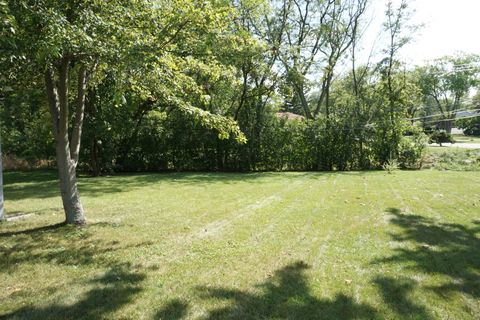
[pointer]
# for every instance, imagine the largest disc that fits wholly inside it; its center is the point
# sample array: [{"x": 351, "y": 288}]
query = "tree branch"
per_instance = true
[
  {"x": 79, "y": 115},
  {"x": 52, "y": 96},
  {"x": 63, "y": 95}
]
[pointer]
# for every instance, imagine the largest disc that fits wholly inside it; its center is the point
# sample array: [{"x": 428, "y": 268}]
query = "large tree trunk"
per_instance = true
[
  {"x": 67, "y": 173},
  {"x": 67, "y": 158}
]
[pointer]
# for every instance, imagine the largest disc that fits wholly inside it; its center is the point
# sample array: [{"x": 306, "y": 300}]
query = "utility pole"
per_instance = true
[
  {"x": 2, "y": 211},
  {"x": 2, "y": 203},
  {"x": 2, "y": 206}
]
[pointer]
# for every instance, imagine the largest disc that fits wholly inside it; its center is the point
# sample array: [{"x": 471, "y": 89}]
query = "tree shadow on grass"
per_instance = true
[
  {"x": 33, "y": 230},
  {"x": 174, "y": 310},
  {"x": 41, "y": 176},
  {"x": 116, "y": 288},
  {"x": 395, "y": 293},
  {"x": 57, "y": 244},
  {"x": 284, "y": 296},
  {"x": 447, "y": 249}
]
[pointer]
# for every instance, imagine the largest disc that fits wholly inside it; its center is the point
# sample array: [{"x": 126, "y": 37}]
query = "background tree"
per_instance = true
[
  {"x": 446, "y": 83},
  {"x": 314, "y": 37},
  {"x": 471, "y": 126},
  {"x": 392, "y": 87}
]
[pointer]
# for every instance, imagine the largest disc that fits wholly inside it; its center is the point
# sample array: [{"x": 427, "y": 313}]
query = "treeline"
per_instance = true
[
  {"x": 213, "y": 86},
  {"x": 118, "y": 139},
  {"x": 124, "y": 139}
]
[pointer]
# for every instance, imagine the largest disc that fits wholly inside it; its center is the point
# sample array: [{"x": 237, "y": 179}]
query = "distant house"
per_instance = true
[{"x": 289, "y": 116}]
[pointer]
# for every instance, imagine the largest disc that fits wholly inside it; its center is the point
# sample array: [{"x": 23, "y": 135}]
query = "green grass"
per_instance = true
[
  {"x": 457, "y": 159},
  {"x": 367, "y": 245},
  {"x": 460, "y": 138}
]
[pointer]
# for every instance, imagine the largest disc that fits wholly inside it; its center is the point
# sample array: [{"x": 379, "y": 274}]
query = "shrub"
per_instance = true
[
  {"x": 412, "y": 149},
  {"x": 391, "y": 166},
  {"x": 441, "y": 136},
  {"x": 471, "y": 127}
]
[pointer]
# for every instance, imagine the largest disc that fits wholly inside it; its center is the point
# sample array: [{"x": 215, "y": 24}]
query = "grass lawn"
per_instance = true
[
  {"x": 367, "y": 245},
  {"x": 450, "y": 150},
  {"x": 457, "y": 159},
  {"x": 460, "y": 138}
]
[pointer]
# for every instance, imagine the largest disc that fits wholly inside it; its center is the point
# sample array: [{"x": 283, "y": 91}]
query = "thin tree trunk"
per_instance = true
[
  {"x": 91, "y": 108},
  {"x": 94, "y": 162},
  {"x": 58, "y": 104},
  {"x": 304, "y": 102}
]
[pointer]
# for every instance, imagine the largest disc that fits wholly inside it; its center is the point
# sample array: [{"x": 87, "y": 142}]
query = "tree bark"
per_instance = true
[
  {"x": 74, "y": 213},
  {"x": 303, "y": 100},
  {"x": 57, "y": 95}
]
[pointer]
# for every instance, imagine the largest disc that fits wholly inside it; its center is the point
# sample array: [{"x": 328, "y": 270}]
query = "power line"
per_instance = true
[
  {"x": 454, "y": 69},
  {"x": 452, "y": 119},
  {"x": 468, "y": 64},
  {"x": 441, "y": 114}
]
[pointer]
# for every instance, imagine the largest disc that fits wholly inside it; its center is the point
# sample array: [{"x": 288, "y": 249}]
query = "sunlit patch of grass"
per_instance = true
[
  {"x": 453, "y": 159},
  {"x": 460, "y": 138}
]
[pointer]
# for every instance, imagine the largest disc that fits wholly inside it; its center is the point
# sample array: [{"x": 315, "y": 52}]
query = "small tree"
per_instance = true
[{"x": 393, "y": 88}]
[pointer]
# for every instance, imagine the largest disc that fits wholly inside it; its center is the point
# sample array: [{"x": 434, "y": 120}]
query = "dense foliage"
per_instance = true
[
  {"x": 160, "y": 87},
  {"x": 471, "y": 127},
  {"x": 161, "y": 141}
]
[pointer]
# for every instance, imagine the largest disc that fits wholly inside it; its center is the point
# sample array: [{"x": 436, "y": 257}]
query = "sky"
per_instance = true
[{"x": 448, "y": 26}]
